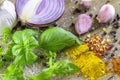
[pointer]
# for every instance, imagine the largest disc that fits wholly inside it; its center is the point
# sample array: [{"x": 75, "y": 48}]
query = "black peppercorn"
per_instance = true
[
  {"x": 76, "y": 2},
  {"x": 115, "y": 40},
  {"x": 117, "y": 17},
  {"x": 112, "y": 32},
  {"x": 104, "y": 33},
  {"x": 76, "y": 11},
  {"x": 116, "y": 25},
  {"x": 72, "y": 25},
  {"x": 91, "y": 15}
]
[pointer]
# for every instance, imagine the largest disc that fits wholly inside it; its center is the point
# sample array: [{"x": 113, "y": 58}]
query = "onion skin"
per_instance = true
[
  {"x": 7, "y": 15},
  {"x": 106, "y": 13},
  {"x": 42, "y": 13},
  {"x": 83, "y": 24}
]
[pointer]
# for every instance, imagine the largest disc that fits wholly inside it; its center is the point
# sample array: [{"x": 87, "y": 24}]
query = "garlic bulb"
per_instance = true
[
  {"x": 83, "y": 24},
  {"x": 106, "y": 13},
  {"x": 7, "y": 15}
]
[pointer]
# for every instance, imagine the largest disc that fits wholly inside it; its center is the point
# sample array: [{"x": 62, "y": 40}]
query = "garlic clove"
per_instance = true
[
  {"x": 83, "y": 24},
  {"x": 7, "y": 15},
  {"x": 85, "y": 4},
  {"x": 106, "y": 13}
]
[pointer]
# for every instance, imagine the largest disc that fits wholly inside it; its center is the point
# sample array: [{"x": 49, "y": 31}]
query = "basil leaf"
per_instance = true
[
  {"x": 13, "y": 72},
  {"x": 25, "y": 42},
  {"x": 65, "y": 67},
  {"x": 55, "y": 39},
  {"x": 60, "y": 68}
]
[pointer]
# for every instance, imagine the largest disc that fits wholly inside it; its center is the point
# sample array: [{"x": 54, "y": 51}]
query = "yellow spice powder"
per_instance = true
[{"x": 91, "y": 66}]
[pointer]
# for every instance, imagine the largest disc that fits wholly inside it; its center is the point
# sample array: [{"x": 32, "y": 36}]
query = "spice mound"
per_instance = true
[
  {"x": 90, "y": 65},
  {"x": 116, "y": 65},
  {"x": 98, "y": 44}
]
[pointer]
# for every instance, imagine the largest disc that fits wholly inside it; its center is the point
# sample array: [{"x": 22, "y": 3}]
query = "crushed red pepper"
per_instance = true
[{"x": 98, "y": 44}]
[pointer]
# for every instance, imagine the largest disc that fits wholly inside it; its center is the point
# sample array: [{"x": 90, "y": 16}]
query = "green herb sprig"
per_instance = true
[{"x": 20, "y": 52}]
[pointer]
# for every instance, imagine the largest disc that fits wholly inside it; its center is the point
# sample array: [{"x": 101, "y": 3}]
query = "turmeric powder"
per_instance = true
[{"x": 91, "y": 66}]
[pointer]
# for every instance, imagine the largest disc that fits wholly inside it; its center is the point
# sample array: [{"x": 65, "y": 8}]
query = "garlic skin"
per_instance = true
[
  {"x": 85, "y": 4},
  {"x": 83, "y": 24},
  {"x": 106, "y": 13},
  {"x": 8, "y": 16}
]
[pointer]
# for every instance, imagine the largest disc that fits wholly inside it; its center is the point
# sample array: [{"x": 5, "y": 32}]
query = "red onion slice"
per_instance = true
[{"x": 44, "y": 11}]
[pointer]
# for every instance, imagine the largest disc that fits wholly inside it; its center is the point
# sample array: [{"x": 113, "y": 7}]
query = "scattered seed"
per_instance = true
[
  {"x": 106, "y": 53},
  {"x": 72, "y": 25},
  {"x": 117, "y": 17},
  {"x": 107, "y": 2},
  {"x": 112, "y": 32},
  {"x": 112, "y": 55},
  {"x": 76, "y": 2},
  {"x": 116, "y": 25},
  {"x": 104, "y": 33},
  {"x": 95, "y": 16},
  {"x": 115, "y": 40},
  {"x": 110, "y": 78},
  {"x": 111, "y": 46},
  {"x": 114, "y": 20},
  {"x": 54, "y": 24},
  {"x": 114, "y": 36},
  {"x": 115, "y": 49},
  {"x": 76, "y": 11},
  {"x": 91, "y": 15}
]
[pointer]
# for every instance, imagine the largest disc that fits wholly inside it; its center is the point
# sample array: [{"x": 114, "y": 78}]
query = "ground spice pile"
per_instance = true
[
  {"x": 116, "y": 65},
  {"x": 90, "y": 65},
  {"x": 98, "y": 44}
]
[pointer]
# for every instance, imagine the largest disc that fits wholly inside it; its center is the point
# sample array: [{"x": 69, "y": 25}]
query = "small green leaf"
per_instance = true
[
  {"x": 65, "y": 67},
  {"x": 50, "y": 56},
  {"x": 13, "y": 72},
  {"x": 55, "y": 39}
]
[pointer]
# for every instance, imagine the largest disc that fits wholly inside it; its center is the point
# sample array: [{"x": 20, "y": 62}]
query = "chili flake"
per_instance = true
[{"x": 98, "y": 44}]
